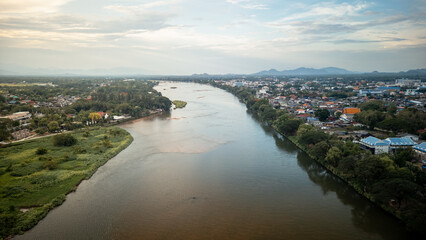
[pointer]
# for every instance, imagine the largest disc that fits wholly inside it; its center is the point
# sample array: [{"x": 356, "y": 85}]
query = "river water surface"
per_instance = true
[{"x": 211, "y": 171}]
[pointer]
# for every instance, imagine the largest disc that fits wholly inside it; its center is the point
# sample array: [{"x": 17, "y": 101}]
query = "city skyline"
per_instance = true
[{"x": 215, "y": 37}]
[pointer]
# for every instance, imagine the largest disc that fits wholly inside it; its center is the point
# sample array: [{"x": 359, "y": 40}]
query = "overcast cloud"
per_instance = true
[{"x": 228, "y": 36}]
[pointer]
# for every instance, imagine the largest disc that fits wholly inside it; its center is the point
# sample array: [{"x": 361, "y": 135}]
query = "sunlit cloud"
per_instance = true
[
  {"x": 30, "y": 6},
  {"x": 213, "y": 33}
]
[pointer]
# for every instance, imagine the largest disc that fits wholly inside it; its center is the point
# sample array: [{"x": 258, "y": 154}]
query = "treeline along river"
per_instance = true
[{"x": 212, "y": 171}]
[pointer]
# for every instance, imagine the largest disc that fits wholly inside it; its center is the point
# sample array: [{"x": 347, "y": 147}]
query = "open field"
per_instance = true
[{"x": 33, "y": 181}]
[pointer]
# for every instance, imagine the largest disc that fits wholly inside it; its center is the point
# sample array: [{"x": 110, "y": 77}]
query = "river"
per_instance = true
[{"x": 212, "y": 171}]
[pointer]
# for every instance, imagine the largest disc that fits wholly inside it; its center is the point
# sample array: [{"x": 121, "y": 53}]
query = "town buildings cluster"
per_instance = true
[{"x": 342, "y": 98}]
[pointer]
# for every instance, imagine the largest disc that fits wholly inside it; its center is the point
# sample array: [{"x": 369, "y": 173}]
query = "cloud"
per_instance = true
[
  {"x": 170, "y": 31},
  {"x": 327, "y": 10},
  {"x": 249, "y": 4},
  {"x": 141, "y": 8},
  {"x": 353, "y": 25},
  {"x": 81, "y": 24},
  {"x": 345, "y": 41},
  {"x": 29, "y": 6}
]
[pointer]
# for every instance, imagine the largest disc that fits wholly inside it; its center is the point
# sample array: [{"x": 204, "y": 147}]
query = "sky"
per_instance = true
[{"x": 182, "y": 37}]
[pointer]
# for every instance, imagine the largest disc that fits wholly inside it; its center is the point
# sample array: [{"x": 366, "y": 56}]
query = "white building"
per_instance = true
[
  {"x": 387, "y": 145},
  {"x": 378, "y": 146}
]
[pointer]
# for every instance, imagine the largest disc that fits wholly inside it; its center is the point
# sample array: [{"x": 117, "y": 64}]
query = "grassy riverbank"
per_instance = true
[
  {"x": 33, "y": 181},
  {"x": 179, "y": 104}
]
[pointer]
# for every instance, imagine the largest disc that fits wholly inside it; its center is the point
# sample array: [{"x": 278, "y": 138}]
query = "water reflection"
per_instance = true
[
  {"x": 246, "y": 183},
  {"x": 365, "y": 216}
]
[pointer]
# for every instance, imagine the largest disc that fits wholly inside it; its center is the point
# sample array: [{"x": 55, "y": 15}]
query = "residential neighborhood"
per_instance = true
[{"x": 340, "y": 103}]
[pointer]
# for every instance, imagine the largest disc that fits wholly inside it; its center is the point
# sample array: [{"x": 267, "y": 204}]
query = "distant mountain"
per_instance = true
[
  {"x": 271, "y": 72},
  {"x": 306, "y": 71},
  {"x": 421, "y": 71}
]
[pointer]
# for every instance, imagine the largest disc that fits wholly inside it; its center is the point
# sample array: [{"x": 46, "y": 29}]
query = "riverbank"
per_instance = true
[
  {"x": 396, "y": 188},
  {"x": 32, "y": 182}
]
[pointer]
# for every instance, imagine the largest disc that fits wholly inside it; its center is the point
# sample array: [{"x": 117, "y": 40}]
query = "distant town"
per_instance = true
[
  {"x": 335, "y": 106},
  {"x": 332, "y": 104},
  {"x": 32, "y": 109},
  {"x": 370, "y": 131}
]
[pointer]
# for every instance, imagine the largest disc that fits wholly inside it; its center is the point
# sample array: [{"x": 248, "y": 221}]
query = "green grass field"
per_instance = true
[
  {"x": 32, "y": 184},
  {"x": 179, "y": 104}
]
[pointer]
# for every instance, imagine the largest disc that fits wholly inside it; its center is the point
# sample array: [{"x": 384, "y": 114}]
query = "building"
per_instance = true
[
  {"x": 375, "y": 145},
  {"x": 420, "y": 150},
  {"x": 403, "y": 142},
  {"x": 18, "y": 116},
  {"x": 407, "y": 82},
  {"x": 365, "y": 92},
  {"x": 387, "y": 145}
]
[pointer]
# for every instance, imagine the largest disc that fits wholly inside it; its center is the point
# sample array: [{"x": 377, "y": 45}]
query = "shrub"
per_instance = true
[
  {"x": 51, "y": 165},
  {"x": 26, "y": 169},
  {"x": 79, "y": 150},
  {"x": 64, "y": 140},
  {"x": 68, "y": 157},
  {"x": 41, "y": 151},
  {"x": 9, "y": 167},
  {"x": 86, "y": 133},
  {"x": 107, "y": 143}
]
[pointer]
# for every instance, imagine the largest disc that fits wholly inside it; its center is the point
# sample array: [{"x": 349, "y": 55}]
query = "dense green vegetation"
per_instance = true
[
  {"x": 389, "y": 180},
  {"x": 135, "y": 98},
  {"x": 36, "y": 175},
  {"x": 377, "y": 114},
  {"x": 179, "y": 103},
  {"x": 67, "y": 105}
]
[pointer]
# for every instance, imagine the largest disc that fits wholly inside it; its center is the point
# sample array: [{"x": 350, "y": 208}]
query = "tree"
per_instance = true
[
  {"x": 391, "y": 109},
  {"x": 395, "y": 190},
  {"x": 308, "y": 134},
  {"x": 5, "y": 124},
  {"x": 374, "y": 105},
  {"x": 351, "y": 149},
  {"x": 290, "y": 126},
  {"x": 423, "y": 136},
  {"x": 370, "y": 117},
  {"x": 41, "y": 151},
  {"x": 403, "y": 155},
  {"x": 393, "y": 124},
  {"x": 64, "y": 140},
  {"x": 94, "y": 116},
  {"x": 319, "y": 150},
  {"x": 322, "y": 114},
  {"x": 372, "y": 169},
  {"x": 53, "y": 126},
  {"x": 347, "y": 164},
  {"x": 334, "y": 156}
]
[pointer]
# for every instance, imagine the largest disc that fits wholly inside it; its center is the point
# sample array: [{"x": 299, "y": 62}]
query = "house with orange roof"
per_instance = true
[
  {"x": 349, "y": 113},
  {"x": 351, "y": 110}
]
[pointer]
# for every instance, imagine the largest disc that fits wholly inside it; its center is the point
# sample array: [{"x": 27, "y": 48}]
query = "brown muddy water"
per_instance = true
[{"x": 211, "y": 171}]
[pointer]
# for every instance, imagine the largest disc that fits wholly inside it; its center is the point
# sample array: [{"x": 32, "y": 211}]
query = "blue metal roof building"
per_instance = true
[
  {"x": 388, "y": 144},
  {"x": 372, "y": 141},
  {"x": 401, "y": 142},
  {"x": 388, "y": 88},
  {"x": 420, "y": 147}
]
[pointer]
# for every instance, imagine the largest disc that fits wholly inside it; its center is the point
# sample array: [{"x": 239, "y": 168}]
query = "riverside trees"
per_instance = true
[
  {"x": 377, "y": 114},
  {"x": 388, "y": 180},
  {"x": 70, "y": 103}
]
